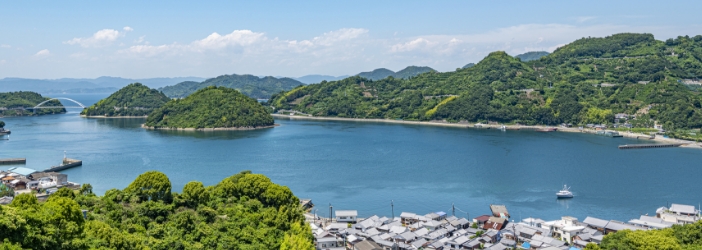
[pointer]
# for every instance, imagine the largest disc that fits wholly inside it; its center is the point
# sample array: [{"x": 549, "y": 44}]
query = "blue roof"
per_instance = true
[
  {"x": 526, "y": 245},
  {"x": 574, "y": 248},
  {"x": 22, "y": 171},
  {"x": 440, "y": 213}
]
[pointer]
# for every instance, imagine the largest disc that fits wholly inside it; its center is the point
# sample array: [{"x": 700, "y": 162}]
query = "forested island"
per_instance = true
[
  {"x": 243, "y": 211},
  {"x": 21, "y": 103},
  {"x": 211, "y": 107},
  {"x": 585, "y": 82},
  {"x": 133, "y": 100},
  {"x": 252, "y": 86}
]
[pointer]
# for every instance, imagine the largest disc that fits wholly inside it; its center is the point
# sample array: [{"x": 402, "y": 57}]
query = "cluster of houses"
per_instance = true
[
  {"x": 495, "y": 231},
  {"x": 26, "y": 180}
]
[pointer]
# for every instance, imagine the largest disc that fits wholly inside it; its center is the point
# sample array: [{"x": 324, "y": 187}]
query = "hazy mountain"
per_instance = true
[
  {"x": 309, "y": 79},
  {"x": 250, "y": 85},
  {"x": 405, "y": 73},
  {"x": 84, "y": 85},
  {"x": 470, "y": 65},
  {"x": 531, "y": 56}
]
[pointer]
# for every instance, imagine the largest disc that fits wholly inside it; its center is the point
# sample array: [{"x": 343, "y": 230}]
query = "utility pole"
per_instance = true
[
  {"x": 392, "y": 207},
  {"x": 330, "y": 213},
  {"x": 453, "y": 209}
]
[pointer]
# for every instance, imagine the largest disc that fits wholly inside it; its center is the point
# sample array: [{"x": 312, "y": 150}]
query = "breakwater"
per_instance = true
[
  {"x": 641, "y": 146},
  {"x": 67, "y": 163},
  {"x": 12, "y": 161}
]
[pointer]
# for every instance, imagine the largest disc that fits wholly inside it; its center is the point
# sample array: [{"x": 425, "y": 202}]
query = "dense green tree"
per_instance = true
[
  {"x": 2, "y": 124},
  {"x": 150, "y": 186},
  {"x": 245, "y": 211}
]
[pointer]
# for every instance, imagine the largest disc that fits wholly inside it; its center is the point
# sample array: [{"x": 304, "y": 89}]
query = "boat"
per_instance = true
[
  {"x": 564, "y": 193},
  {"x": 503, "y": 128},
  {"x": 5, "y": 131}
]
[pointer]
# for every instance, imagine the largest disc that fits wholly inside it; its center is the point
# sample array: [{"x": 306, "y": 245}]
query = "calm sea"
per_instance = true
[{"x": 365, "y": 166}]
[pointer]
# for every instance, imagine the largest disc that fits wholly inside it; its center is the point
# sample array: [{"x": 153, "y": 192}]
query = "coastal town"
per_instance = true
[{"x": 495, "y": 231}]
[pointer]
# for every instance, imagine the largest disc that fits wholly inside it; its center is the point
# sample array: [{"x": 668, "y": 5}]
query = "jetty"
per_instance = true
[
  {"x": 67, "y": 163},
  {"x": 639, "y": 146},
  {"x": 13, "y": 161}
]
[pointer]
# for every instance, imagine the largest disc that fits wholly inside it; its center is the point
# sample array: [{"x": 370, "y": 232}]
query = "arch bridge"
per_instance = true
[{"x": 80, "y": 105}]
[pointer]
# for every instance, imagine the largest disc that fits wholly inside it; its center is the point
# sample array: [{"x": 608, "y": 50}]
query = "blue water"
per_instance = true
[{"x": 364, "y": 166}]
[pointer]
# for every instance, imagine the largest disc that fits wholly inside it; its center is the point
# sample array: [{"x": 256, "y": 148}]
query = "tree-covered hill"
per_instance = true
[
  {"x": 133, "y": 100},
  {"x": 211, "y": 107},
  {"x": 587, "y": 81},
  {"x": 14, "y": 104},
  {"x": 677, "y": 237},
  {"x": 532, "y": 55},
  {"x": 405, "y": 73},
  {"x": 252, "y": 86},
  {"x": 243, "y": 211}
]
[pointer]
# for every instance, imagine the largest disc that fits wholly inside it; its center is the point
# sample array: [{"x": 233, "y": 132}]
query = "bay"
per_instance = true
[{"x": 365, "y": 166}]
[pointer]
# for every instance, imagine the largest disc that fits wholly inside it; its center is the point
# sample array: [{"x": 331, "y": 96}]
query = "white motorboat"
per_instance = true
[{"x": 564, "y": 193}]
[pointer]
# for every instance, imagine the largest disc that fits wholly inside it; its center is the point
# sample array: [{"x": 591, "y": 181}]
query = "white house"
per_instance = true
[{"x": 346, "y": 215}]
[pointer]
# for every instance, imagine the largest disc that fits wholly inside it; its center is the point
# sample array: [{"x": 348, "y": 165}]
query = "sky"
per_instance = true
[{"x": 144, "y": 39}]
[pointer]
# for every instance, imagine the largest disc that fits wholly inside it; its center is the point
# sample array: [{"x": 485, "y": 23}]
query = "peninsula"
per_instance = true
[
  {"x": 133, "y": 100},
  {"x": 620, "y": 81},
  {"x": 22, "y": 103},
  {"x": 211, "y": 108}
]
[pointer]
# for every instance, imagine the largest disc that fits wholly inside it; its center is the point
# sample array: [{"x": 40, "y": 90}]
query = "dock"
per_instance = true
[
  {"x": 67, "y": 163},
  {"x": 13, "y": 161},
  {"x": 639, "y": 146}
]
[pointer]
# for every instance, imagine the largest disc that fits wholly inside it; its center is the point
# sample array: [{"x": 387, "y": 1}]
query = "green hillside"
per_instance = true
[
  {"x": 133, "y": 100},
  {"x": 587, "y": 81},
  {"x": 252, "y": 86},
  {"x": 243, "y": 211},
  {"x": 211, "y": 107},
  {"x": 405, "y": 73},
  {"x": 13, "y": 104},
  {"x": 532, "y": 55}
]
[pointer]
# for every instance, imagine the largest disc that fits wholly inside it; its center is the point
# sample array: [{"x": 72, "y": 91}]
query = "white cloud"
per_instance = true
[
  {"x": 416, "y": 44},
  {"x": 127, "y": 28},
  {"x": 101, "y": 38},
  {"x": 44, "y": 52},
  {"x": 3, "y": 61},
  {"x": 5, "y": 46},
  {"x": 236, "y": 38}
]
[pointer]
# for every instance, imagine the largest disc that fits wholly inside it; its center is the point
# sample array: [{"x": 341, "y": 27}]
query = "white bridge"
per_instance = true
[{"x": 80, "y": 105}]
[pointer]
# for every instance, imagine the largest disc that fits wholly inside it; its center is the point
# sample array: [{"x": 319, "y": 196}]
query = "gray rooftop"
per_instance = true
[{"x": 685, "y": 209}]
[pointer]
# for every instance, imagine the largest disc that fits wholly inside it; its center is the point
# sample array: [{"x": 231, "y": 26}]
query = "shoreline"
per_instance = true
[
  {"x": 210, "y": 129},
  {"x": 658, "y": 139},
  {"x": 110, "y": 117}
]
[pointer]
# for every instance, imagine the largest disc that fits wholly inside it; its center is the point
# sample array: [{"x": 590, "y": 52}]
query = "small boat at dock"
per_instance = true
[{"x": 564, "y": 193}]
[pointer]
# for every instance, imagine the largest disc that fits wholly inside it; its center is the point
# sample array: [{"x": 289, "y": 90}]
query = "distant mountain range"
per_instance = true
[
  {"x": 309, "y": 79},
  {"x": 250, "y": 85},
  {"x": 405, "y": 73},
  {"x": 104, "y": 84}
]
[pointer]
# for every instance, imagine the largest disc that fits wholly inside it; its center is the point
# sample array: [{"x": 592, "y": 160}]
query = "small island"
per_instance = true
[
  {"x": 211, "y": 108},
  {"x": 22, "y": 103},
  {"x": 133, "y": 100}
]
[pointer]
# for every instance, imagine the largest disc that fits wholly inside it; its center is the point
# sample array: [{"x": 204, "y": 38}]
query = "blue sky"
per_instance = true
[{"x": 140, "y": 39}]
